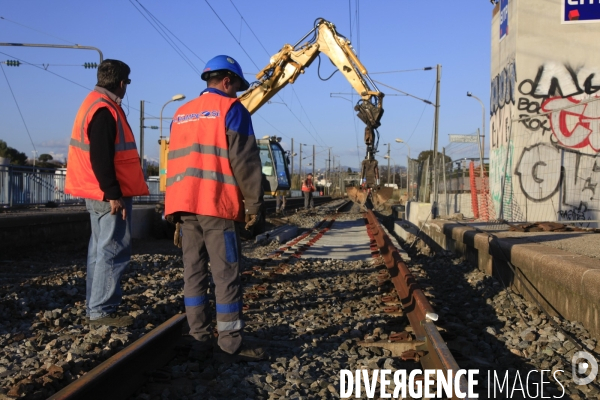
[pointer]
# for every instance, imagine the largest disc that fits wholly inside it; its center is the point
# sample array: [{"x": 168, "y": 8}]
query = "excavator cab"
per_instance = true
[{"x": 276, "y": 176}]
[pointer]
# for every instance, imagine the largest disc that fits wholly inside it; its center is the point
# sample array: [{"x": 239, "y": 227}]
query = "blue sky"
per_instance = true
[{"x": 388, "y": 35}]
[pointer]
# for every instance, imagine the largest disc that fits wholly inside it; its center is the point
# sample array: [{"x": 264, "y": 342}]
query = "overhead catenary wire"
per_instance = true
[
  {"x": 254, "y": 63},
  {"x": 36, "y": 30},
  {"x": 271, "y": 125},
  {"x": 232, "y": 35},
  {"x": 401, "y": 70},
  {"x": 405, "y": 93},
  {"x": 171, "y": 33},
  {"x": 421, "y": 116},
  {"x": 18, "y": 108},
  {"x": 248, "y": 25},
  {"x": 358, "y": 156},
  {"x": 161, "y": 32},
  {"x": 46, "y": 65},
  {"x": 318, "y": 138},
  {"x": 62, "y": 77},
  {"x": 44, "y": 69}
]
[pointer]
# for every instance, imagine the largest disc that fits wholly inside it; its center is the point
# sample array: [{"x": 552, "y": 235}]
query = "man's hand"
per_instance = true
[
  {"x": 173, "y": 218},
  {"x": 177, "y": 236},
  {"x": 251, "y": 220},
  {"x": 117, "y": 206}
]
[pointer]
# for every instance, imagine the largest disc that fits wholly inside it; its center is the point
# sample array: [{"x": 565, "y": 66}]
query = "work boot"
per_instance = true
[
  {"x": 113, "y": 319},
  {"x": 244, "y": 353},
  {"x": 201, "y": 349}
]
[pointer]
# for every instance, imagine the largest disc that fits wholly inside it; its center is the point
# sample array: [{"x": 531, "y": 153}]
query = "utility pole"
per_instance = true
[
  {"x": 142, "y": 136},
  {"x": 292, "y": 155},
  {"x": 333, "y": 174},
  {"x": 329, "y": 168},
  {"x": 434, "y": 210},
  {"x": 300, "y": 164},
  {"x": 388, "y": 154},
  {"x": 313, "y": 167}
]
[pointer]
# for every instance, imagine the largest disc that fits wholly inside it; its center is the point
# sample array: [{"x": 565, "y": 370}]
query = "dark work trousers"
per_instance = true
[
  {"x": 308, "y": 200},
  {"x": 215, "y": 239}
]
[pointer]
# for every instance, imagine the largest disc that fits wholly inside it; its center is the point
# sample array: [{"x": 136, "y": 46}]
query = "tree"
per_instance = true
[
  {"x": 152, "y": 169},
  {"x": 45, "y": 157},
  {"x": 16, "y": 157},
  {"x": 429, "y": 154}
]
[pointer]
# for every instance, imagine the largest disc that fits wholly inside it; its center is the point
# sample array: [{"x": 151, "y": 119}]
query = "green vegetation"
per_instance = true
[{"x": 15, "y": 156}]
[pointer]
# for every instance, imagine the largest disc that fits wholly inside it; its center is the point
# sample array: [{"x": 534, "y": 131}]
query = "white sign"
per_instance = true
[{"x": 463, "y": 138}]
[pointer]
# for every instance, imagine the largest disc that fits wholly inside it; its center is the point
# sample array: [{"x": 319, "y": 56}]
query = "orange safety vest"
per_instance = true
[
  {"x": 199, "y": 175},
  {"x": 307, "y": 188},
  {"x": 80, "y": 180}
]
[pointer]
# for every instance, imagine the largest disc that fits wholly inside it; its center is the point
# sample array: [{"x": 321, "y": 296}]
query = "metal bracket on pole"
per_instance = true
[{"x": 56, "y": 46}]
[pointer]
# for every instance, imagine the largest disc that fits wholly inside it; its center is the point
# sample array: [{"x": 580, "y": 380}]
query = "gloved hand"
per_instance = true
[
  {"x": 177, "y": 236},
  {"x": 173, "y": 218},
  {"x": 251, "y": 220}
]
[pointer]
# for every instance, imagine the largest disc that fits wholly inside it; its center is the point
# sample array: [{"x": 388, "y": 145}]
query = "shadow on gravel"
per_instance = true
[{"x": 492, "y": 329}]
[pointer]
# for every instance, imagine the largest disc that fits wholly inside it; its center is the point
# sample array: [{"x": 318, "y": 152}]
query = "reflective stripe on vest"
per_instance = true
[
  {"x": 198, "y": 173},
  {"x": 200, "y": 179},
  {"x": 202, "y": 174},
  {"x": 81, "y": 180},
  {"x": 199, "y": 148},
  {"x": 120, "y": 145}
]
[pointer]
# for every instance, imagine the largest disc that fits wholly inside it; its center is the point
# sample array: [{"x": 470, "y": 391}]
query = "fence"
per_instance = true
[
  {"x": 459, "y": 186},
  {"x": 29, "y": 186}
]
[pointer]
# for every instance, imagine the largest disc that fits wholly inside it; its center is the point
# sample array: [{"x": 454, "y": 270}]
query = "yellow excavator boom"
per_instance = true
[{"x": 290, "y": 62}]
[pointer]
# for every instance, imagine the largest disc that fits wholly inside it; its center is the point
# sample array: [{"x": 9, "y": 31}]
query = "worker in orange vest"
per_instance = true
[
  {"x": 307, "y": 188},
  {"x": 104, "y": 168},
  {"x": 214, "y": 185}
]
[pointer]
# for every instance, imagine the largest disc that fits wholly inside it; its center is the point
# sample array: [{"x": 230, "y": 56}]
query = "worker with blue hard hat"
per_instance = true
[
  {"x": 214, "y": 186},
  {"x": 220, "y": 63}
]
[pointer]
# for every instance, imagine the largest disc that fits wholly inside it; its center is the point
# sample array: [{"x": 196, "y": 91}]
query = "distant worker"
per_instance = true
[
  {"x": 214, "y": 185},
  {"x": 104, "y": 169},
  {"x": 308, "y": 188}
]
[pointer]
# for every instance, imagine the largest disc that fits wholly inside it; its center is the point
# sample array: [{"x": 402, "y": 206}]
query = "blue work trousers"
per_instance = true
[
  {"x": 216, "y": 239},
  {"x": 109, "y": 253}
]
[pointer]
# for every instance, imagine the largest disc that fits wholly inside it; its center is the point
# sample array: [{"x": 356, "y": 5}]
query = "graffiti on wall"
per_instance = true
[
  {"x": 502, "y": 95},
  {"x": 575, "y": 123},
  {"x": 538, "y": 176},
  {"x": 544, "y": 169},
  {"x": 575, "y": 214},
  {"x": 503, "y": 87},
  {"x": 500, "y": 127},
  {"x": 562, "y": 100},
  {"x": 499, "y": 175},
  {"x": 557, "y": 113}
]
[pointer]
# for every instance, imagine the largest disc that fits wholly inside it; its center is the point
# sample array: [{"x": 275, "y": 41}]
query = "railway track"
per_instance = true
[
  {"x": 373, "y": 262},
  {"x": 341, "y": 296}
]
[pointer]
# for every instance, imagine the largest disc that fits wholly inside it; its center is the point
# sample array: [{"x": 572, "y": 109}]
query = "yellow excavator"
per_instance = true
[{"x": 284, "y": 68}]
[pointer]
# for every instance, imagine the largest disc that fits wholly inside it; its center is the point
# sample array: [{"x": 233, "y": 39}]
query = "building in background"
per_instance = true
[{"x": 545, "y": 111}]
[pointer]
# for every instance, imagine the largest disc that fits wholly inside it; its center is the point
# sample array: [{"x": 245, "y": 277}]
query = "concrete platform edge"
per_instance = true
[{"x": 563, "y": 283}]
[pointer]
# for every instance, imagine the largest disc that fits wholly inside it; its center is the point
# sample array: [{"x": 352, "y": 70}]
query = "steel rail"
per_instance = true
[
  {"x": 135, "y": 362},
  {"x": 416, "y": 307},
  {"x": 295, "y": 202}
]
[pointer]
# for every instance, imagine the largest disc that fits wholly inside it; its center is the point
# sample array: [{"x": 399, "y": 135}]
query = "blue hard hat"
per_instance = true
[{"x": 222, "y": 62}]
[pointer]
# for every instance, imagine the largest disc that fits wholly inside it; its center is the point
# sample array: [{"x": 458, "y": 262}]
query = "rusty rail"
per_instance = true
[
  {"x": 432, "y": 351},
  {"x": 135, "y": 362}
]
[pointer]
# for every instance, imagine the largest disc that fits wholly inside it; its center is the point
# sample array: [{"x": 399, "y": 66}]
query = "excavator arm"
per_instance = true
[{"x": 291, "y": 61}]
